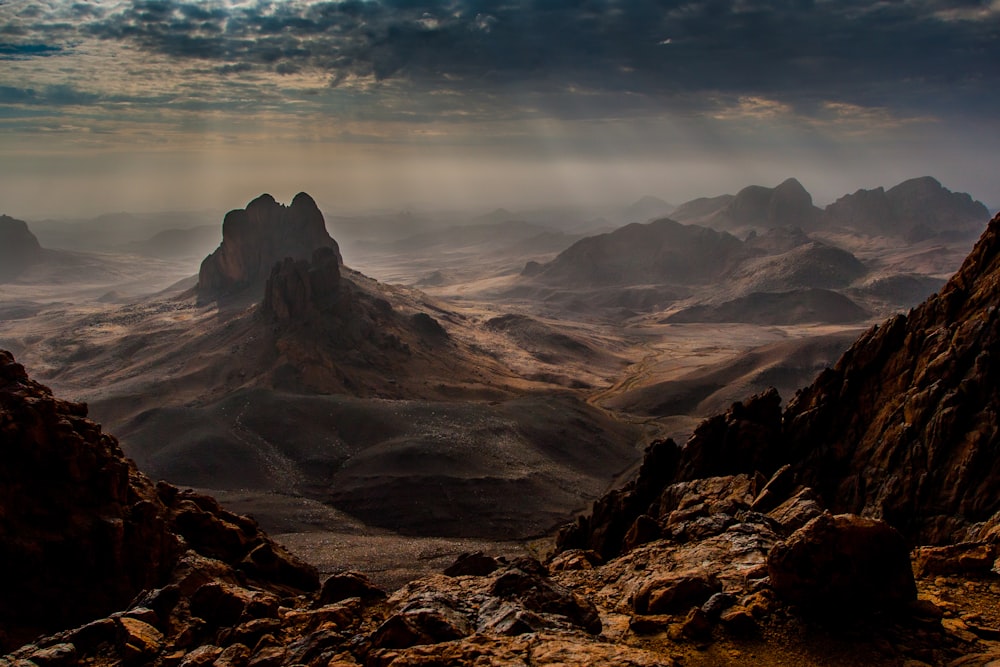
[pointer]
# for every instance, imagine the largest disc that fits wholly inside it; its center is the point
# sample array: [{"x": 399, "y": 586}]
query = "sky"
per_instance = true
[{"x": 153, "y": 105}]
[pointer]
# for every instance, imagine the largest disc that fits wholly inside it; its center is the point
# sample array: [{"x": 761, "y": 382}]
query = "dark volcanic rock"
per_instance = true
[
  {"x": 843, "y": 563},
  {"x": 79, "y": 522},
  {"x": 254, "y": 239},
  {"x": 18, "y": 247},
  {"x": 76, "y": 516}
]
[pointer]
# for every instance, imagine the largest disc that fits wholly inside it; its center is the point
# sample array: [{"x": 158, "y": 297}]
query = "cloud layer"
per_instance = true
[{"x": 537, "y": 75}]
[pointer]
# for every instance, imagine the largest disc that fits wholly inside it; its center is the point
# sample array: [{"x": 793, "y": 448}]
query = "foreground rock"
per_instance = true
[
  {"x": 905, "y": 426},
  {"x": 80, "y": 521},
  {"x": 702, "y": 571}
]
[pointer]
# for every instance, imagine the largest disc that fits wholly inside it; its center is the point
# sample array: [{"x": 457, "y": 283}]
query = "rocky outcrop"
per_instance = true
[
  {"x": 19, "y": 248},
  {"x": 747, "y": 438},
  {"x": 79, "y": 522},
  {"x": 914, "y": 209},
  {"x": 905, "y": 426},
  {"x": 254, "y": 239}
]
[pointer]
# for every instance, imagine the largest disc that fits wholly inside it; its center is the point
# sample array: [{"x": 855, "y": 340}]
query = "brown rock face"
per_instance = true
[
  {"x": 78, "y": 522},
  {"x": 904, "y": 427},
  {"x": 254, "y": 239},
  {"x": 746, "y": 438},
  {"x": 18, "y": 247},
  {"x": 74, "y": 515}
]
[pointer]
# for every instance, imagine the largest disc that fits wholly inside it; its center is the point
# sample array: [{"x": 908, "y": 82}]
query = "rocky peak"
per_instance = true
[
  {"x": 924, "y": 201},
  {"x": 18, "y": 247},
  {"x": 254, "y": 239},
  {"x": 916, "y": 208},
  {"x": 788, "y": 204}
]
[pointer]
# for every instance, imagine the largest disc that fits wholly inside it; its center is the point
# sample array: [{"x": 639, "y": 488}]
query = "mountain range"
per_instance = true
[{"x": 859, "y": 524}]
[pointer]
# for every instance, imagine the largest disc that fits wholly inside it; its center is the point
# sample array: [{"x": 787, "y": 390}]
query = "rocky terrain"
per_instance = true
[
  {"x": 728, "y": 550},
  {"x": 83, "y": 533},
  {"x": 765, "y": 256},
  {"x": 314, "y": 382}
]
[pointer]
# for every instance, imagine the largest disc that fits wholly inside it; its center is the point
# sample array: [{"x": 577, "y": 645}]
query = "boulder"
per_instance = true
[
  {"x": 348, "y": 585},
  {"x": 475, "y": 564},
  {"x": 843, "y": 564}
]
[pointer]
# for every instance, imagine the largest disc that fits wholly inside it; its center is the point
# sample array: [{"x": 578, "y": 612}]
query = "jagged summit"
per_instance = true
[
  {"x": 788, "y": 204},
  {"x": 254, "y": 239}
]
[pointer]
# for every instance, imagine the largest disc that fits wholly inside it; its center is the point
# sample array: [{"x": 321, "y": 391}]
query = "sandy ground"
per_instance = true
[{"x": 334, "y": 541}]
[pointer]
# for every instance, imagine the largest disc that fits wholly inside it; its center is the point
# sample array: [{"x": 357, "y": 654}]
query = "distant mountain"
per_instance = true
[
  {"x": 663, "y": 251},
  {"x": 915, "y": 209},
  {"x": 111, "y": 231},
  {"x": 755, "y": 207},
  {"x": 787, "y": 205},
  {"x": 647, "y": 208},
  {"x": 178, "y": 243},
  {"x": 780, "y": 277},
  {"x": 703, "y": 207},
  {"x": 19, "y": 248},
  {"x": 810, "y": 265}
]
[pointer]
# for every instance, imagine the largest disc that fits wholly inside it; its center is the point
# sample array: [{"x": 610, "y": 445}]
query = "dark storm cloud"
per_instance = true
[
  {"x": 798, "y": 48},
  {"x": 914, "y": 56}
]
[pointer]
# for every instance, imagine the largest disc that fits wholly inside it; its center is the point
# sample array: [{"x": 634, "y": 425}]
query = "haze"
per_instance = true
[{"x": 165, "y": 105}]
